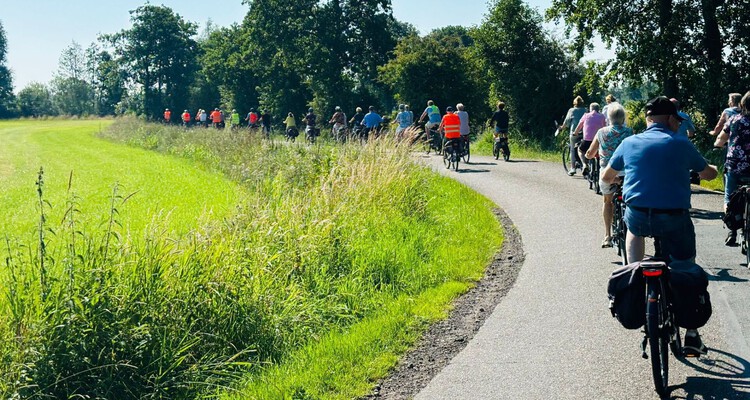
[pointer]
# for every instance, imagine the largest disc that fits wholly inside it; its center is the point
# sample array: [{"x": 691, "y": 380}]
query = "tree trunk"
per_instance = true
[
  {"x": 713, "y": 44},
  {"x": 670, "y": 83}
]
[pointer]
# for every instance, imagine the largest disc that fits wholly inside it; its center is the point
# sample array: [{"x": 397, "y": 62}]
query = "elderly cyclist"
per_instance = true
[
  {"x": 605, "y": 142},
  {"x": 656, "y": 189}
]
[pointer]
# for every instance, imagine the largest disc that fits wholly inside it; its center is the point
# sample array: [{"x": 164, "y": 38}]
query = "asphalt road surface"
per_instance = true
[{"x": 553, "y": 337}]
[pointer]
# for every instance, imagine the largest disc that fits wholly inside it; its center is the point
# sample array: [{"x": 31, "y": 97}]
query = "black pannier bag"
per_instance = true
[
  {"x": 627, "y": 296},
  {"x": 734, "y": 216},
  {"x": 691, "y": 302}
]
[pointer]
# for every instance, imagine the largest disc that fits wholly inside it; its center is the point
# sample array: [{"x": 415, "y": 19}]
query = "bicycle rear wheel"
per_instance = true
[
  {"x": 467, "y": 154},
  {"x": 658, "y": 340}
]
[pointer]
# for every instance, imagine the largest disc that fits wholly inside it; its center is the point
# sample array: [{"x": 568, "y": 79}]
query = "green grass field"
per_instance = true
[
  {"x": 172, "y": 193},
  {"x": 309, "y": 286}
]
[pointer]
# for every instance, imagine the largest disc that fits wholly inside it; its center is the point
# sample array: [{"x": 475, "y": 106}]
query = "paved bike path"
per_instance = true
[{"x": 553, "y": 336}]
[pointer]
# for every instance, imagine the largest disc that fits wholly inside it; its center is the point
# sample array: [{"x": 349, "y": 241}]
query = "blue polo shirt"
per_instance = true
[
  {"x": 657, "y": 166},
  {"x": 687, "y": 124},
  {"x": 372, "y": 120}
]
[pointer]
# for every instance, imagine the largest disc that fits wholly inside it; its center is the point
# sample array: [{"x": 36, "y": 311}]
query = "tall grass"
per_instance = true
[{"x": 332, "y": 241}]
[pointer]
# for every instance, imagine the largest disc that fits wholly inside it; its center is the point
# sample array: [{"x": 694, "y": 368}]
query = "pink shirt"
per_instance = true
[{"x": 591, "y": 123}]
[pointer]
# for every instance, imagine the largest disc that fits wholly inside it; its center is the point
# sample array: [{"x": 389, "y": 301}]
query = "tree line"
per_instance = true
[{"x": 288, "y": 55}]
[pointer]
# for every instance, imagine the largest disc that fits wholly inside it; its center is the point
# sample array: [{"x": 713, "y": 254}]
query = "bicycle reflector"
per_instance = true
[{"x": 651, "y": 273}]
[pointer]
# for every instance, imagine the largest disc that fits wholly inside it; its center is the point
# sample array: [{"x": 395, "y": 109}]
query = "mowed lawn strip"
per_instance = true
[{"x": 171, "y": 192}]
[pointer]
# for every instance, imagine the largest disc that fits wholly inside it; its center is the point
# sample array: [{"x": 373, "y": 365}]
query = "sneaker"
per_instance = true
[
  {"x": 572, "y": 172},
  {"x": 731, "y": 239},
  {"x": 607, "y": 242},
  {"x": 694, "y": 346}
]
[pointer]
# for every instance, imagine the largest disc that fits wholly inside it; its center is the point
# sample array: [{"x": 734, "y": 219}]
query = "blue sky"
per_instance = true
[{"x": 38, "y": 30}]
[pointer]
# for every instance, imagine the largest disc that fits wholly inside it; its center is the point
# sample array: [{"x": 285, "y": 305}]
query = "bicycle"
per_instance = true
[
  {"x": 619, "y": 229},
  {"x": 567, "y": 164},
  {"x": 451, "y": 153},
  {"x": 500, "y": 146},
  {"x": 465, "y": 148},
  {"x": 311, "y": 134},
  {"x": 593, "y": 175},
  {"x": 291, "y": 134}
]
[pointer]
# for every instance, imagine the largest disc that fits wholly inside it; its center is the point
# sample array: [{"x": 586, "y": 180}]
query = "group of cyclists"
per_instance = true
[
  {"x": 653, "y": 169},
  {"x": 218, "y": 119}
]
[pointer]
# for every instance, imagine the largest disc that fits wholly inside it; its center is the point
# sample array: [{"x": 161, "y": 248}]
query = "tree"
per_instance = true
[
  {"x": 158, "y": 54},
  {"x": 438, "y": 67},
  {"x": 531, "y": 72},
  {"x": 72, "y": 92},
  {"x": 108, "y": 79},
  {"x": 35, "y": 100},
  {"x": 694, "y": 49},
  {"x": 6, "y": 80}
]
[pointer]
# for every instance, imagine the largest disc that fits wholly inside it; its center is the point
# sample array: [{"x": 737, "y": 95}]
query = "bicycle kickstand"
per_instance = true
[{"x": 643, "y": 347}]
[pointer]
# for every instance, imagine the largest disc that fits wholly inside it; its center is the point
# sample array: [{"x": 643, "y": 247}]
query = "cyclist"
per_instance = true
[
  {"x": 687, "y": 128},
  {"x": 464, "y": 117},
  {"x": 589, "y": 124},
  {"x": 339, "y": 123},
  {"x": 186, "y": 118},
  {"x": 217, "y": 118},
  {"x": 371, "y": 121},
  {"x": 609, "y": 99},
  {"x": 167, "y": 116},
  {"x": 501, "y": 120},
  {"x": 265, "y": 122},
  {"x": 310, "y": 120},
  {"x": 731, "y": 111},
  {"x": 356, "y": 121},
  {"x": 656, "y": 190},
  {"x": 737, "y": 166},
  {"x": 432, "y": 113},
  {"x": 605, "y": 142},
  {"x": 252, "y": 119},
  {"x": 234, "y": 119},
  {"x": 291, "y": 126},
  {"x": 572, "y": 118},
  {"x": 451, "y": 126},
  {"x": 404, "y": 119},
  {"x": 202, "y": 117}
]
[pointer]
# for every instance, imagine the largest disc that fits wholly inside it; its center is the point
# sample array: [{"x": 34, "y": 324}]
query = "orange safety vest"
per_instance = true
[
  {"x": 186, "y": 117},
  {"x": 167, "y": 115},
  {"x": 215, "y": 116},
  {"x": 452, "y": 126}
]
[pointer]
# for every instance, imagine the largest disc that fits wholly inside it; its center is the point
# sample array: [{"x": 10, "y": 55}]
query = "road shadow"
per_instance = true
[
  {"x": 699, "y": 191},
  {"x": 705, "y": 214},
  {"x": 521, "y": 161},
  {"x": 481, "y": 163},
  {"x": 471, "y": 171},
  {"x": 723, "y": 275},
  {"x": 728, "y": 377}
]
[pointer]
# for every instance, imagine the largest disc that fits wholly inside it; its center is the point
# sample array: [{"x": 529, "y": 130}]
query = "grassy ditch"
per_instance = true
[{"x": 322, "y": 276}]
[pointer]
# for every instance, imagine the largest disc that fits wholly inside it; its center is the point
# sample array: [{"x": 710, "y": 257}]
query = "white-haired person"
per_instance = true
[{"x": 605, "y": 142}]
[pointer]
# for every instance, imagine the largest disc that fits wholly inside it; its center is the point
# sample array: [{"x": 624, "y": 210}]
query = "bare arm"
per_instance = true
[
  {"x": 593, "y": 148},
  {"x": 610, "y": 175},
  {"x": 719, "y": 125},
  {"x": 709, "y": 173},
  {"x": 722, "y": 139}
]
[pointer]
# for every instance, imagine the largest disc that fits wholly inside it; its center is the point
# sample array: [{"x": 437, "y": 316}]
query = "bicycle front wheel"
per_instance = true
[
  {"x": 566, "y": 158},
  {"x": 658, "y": 340}
]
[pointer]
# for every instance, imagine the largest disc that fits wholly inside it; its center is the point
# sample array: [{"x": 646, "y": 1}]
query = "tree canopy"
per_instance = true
[{"x": 6, "y": 80}]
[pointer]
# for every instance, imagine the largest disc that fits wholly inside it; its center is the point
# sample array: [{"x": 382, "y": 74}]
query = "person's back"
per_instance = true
[
  {"x": 463, "y": 116},
  {"x": 573, "y": 118},
  {"x": 451, "y": 123},
  {"x": 657, "y": 169},
  {"x": 591, "y": 123},
  {"x": 311, "y": 119},
  {"x": 372, "y": 119},
  {"x": 290, "y": 122},
  {"x": 265, "y": 119},
  {"x": 433, "y": 114},
  {"x": 501, "y": 119}
]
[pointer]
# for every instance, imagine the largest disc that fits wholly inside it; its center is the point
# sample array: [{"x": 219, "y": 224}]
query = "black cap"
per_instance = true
[
  {"x": 661, "y": 106},
  {"x": 449, "y": 109}
]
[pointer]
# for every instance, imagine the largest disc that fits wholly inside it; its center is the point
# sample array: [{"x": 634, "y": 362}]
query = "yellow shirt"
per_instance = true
[{"x": 289, "y": 121}]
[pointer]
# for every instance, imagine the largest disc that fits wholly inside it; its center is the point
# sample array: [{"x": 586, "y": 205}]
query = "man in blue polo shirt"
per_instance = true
[{"x": 656, "y": 189}]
